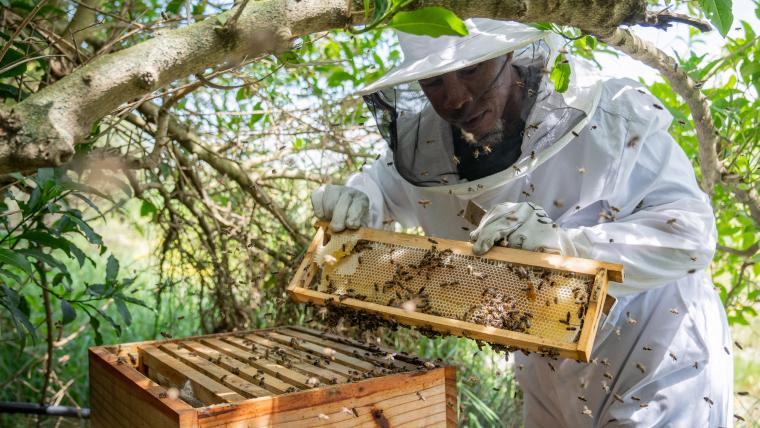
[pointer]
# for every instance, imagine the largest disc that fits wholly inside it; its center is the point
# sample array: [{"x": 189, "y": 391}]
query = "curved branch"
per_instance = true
[
  {"x": 688, "y": 89},
  {"x": 708, "y": 137},
  {"x": 747, "y": 252},
  {"x": 663, "y": 20}
]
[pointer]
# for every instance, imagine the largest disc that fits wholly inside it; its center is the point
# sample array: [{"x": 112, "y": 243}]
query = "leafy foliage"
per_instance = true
[
  {"x": 429, "y": 21},
  {"x": 720, "y": 14},
  {"x": 560, "y": 74},
  {"x": 34, "y": 249}
]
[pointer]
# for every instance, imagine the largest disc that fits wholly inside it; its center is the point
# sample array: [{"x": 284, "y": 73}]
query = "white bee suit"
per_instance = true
[{"x": 597, "y": 158}]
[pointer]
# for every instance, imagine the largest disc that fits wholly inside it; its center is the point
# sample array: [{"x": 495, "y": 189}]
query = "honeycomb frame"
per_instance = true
[{"x": 554, "y": 302}]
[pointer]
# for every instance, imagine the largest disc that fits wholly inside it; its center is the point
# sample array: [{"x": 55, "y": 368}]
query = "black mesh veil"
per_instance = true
[{"x": 424, "y": 145}]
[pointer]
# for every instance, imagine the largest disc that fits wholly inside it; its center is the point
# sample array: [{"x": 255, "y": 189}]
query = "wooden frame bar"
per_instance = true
[{"x": 602, "y": 272}]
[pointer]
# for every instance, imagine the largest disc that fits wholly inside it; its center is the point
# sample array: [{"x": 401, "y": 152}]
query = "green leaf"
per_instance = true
[
  {"x": 58, "y": 279},
  {"x": 429, "y": 21},
  {"x": 381, "y": 6},
  {"x": 11, "y": 57},
  {"x": 719, "y": 13},
  {"x": 68, "y": 314},
  {"x": 13, "y": 258},
  {"x": 110, "y": 320},
  {"x": 561, "y": 74},
  {"x": 173, "y": 6},
  {"x": 44, "y": 258},
  {"x": 89, "y": 202},
  {"x": 590, "y": 42},
  {"x": 96, "y": 327},
  {"x": 33, "y": 202},
  {"x": 164, "y": 169},
  {"x": 256, "y": 116},
  {"x": 243, "y": 93},
  {"x": 338, "y": 77},
  {"x": 97, "y": 289},
  {"x": 112, "y": 268},
  {"x": 134, "y": 301},
  {"x": 90, "y": 234},
  {"x": 79, "y": 254},
  {"x": 44, "y": 239},
  {"x": 45, "y": 176},
  {"x": 19, "y": 309},
  {"x": 199, "y": 8},
  {"x": 10, "y": 91},
  {"x": 123, "y": 311},
  {"x": 543, "y": 26},
  {"x": 147, "y": 208},
  {"x": 8, "y": 274}
]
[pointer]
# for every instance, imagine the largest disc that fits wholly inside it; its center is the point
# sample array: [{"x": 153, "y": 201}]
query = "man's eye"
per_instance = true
[
  {"x": 469, "y": 70},
  {"x": 428, "y": 83}
]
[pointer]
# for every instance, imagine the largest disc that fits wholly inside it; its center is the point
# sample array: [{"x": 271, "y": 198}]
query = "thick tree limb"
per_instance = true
[
  {"x": 83, "y": 23},
  {"x": 43, "y": 129}
]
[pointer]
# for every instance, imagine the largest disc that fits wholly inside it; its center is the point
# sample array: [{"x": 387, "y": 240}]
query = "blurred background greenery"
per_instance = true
[{"x": 205, "y": 235}]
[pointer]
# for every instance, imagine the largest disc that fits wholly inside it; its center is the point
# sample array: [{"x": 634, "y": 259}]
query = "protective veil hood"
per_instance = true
[{"x": 421, "y": 141}]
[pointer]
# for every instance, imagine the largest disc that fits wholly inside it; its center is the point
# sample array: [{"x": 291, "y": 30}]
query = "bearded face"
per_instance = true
[{"x": 475, "y": 99}]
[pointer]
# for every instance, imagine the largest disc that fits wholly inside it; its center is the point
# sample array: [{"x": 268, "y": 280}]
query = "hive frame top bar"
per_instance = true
[
  {"x": 600, "y": 271},
  {"x": 511, "y": 255}
]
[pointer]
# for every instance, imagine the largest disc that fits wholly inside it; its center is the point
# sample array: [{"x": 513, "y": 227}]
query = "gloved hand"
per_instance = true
[
  {"x": 526, "y": 226},
  {"x": 343, "y": 206}
]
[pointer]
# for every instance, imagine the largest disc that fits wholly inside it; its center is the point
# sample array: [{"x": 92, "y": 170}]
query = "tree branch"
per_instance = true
[
  {"x": 49, "y": 336},
  {"x": 708, "y": 137},
  {"x": 748, "y": 197},
  {"x": 748, "y": 252},
  {"x": 663, "y": 20},
  {"x": 42, "y": 130},
  {"x": 190, "y": 142},
  {"x": 84, "y": 21},
  {"x": 683, "y": 85},
  {"x": 737, "y": 287},
  {"x": 23, "y": 24}
]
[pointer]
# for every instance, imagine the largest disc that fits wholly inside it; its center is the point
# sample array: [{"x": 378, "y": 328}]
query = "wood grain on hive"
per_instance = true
[{"x": 287, "y": 376}]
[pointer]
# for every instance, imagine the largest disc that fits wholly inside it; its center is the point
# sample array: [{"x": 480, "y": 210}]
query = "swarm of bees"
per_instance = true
[{"x": 415, "y": 279}]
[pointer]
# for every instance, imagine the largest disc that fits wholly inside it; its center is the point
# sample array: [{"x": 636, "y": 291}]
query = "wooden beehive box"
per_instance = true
[{"x": 281, "y": 377}]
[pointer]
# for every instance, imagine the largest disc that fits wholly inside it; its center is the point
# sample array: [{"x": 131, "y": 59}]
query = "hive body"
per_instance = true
[{"x": 289, "y": 376}]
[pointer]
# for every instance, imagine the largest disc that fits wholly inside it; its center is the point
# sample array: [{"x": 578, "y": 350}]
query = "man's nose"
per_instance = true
[{"x": 457, "y": 95}]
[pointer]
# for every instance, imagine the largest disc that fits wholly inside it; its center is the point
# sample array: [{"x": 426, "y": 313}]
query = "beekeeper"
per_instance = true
[{"x": 590, "y": 172}]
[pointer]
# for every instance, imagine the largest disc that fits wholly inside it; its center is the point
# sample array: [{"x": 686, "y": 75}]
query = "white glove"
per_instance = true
[
  {"x": 526, "y": 226},
  {"x": 343, "y": 206}
]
